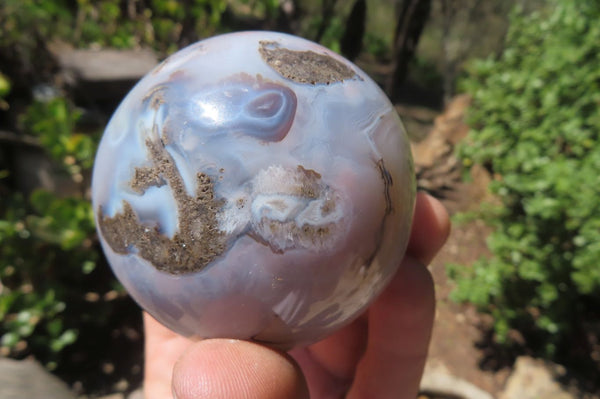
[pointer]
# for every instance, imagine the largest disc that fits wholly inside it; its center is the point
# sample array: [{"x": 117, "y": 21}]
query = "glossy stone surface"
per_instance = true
[{"x": 257, "y": 186}]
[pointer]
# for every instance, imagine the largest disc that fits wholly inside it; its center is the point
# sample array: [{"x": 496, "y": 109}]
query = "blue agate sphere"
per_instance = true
[{"x": 257, "y": 186}]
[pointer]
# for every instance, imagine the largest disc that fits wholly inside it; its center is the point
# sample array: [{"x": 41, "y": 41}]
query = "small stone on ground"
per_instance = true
[{"x": 20, "y": 379}]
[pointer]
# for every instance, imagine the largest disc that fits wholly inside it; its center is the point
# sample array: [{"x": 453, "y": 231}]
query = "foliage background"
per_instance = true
[{"x": 535, "y": 122}]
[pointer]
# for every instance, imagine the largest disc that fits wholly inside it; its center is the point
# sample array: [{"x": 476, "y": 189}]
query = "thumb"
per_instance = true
[{"x": 231, "y": 369}]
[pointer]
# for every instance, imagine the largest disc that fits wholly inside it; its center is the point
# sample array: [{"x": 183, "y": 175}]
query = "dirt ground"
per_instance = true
[
  {"x": 457, "y": 329},
  {"x": 457, "y": 342}
]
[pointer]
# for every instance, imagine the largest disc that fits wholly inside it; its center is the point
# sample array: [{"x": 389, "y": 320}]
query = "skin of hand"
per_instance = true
[{"x": 380, "y": 355}]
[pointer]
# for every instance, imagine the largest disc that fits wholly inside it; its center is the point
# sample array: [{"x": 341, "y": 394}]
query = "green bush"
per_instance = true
[
  {"x": 535, "y": 122},
  {"x": 54, "y": 123},
  {"x": 47, "y": 243},
  {"x": 45, "y": 246}
]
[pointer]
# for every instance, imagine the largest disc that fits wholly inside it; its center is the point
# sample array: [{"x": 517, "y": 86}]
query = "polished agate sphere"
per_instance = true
[{"x": 257, "y": 186}]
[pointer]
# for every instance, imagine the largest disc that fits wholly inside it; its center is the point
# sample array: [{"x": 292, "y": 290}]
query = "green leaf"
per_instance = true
[
  {"x": 10, "y": 339},
  {"x": 66, "y": 338}
]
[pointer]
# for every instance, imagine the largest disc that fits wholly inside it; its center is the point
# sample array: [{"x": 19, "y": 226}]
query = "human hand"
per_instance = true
[{"x": 380, "y": 355}]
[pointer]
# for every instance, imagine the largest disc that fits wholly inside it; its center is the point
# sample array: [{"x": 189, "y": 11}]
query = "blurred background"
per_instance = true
[{"x": 501, "y": 99}]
